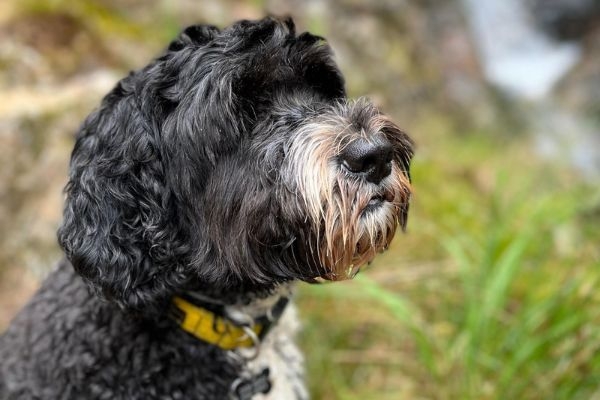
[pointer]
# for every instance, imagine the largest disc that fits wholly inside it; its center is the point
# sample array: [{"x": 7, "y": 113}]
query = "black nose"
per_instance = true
[{"x": 369, "y": 157}]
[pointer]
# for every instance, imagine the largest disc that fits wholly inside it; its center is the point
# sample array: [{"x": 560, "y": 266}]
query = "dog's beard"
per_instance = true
[
  {"x": 354, "y": 219},
  {"x": 359, "y": 221}
]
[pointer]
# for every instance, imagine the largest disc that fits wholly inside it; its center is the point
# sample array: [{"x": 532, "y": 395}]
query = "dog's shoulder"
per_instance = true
[{"x": 67, "y": 343}]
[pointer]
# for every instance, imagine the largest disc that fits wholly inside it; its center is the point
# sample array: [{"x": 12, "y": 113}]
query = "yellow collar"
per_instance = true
[
  {"x": 212, "y": 327},
  {"x": 215, "y": 329}
]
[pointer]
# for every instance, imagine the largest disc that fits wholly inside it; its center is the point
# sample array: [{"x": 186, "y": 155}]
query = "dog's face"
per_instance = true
[{"x": 234, "y": 161}]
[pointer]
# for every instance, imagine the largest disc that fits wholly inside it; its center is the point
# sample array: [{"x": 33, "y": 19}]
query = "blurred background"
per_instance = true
[{"x": 491, "y": 293}]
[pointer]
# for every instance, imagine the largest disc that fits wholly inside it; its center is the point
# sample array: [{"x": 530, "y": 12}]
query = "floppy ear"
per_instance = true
[
  {"x": 119, "y": 229},
  {"x": 139, "y": 162}
]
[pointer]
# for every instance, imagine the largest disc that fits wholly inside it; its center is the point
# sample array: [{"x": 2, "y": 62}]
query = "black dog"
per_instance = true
[{"x": 204, "y": 185}]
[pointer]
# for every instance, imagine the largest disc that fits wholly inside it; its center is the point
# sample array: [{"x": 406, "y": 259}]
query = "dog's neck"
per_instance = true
[
  {"x": 242, "y": 306},
  {"x": 230, "y": 324},
  {"x": 260, "y": 304},
  {"x": 238, "y": 295}
]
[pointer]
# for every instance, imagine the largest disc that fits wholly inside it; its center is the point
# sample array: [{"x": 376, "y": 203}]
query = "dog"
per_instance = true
[{"x": 203, "y": 187}]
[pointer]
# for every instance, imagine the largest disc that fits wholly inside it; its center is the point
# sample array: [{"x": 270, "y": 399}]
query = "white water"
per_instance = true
[
  {"x": 525, "y": 63},
  {"x": 516, "y": 56}
]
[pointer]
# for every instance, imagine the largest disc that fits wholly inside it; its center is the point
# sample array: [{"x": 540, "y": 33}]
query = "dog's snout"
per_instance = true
[{"x": 369, "y": 157}]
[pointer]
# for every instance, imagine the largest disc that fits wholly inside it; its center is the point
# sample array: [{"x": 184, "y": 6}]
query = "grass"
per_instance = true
[{"x": 489, "y": 296}]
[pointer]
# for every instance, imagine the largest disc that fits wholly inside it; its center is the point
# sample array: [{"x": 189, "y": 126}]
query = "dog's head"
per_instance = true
[{"x": 235, "y": 161}]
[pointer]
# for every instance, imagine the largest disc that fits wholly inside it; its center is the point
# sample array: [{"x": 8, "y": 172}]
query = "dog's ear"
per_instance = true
[{"x": 119, "y": 228}]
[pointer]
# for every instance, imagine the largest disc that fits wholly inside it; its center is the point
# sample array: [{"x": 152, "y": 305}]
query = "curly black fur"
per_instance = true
[
  {"x": 65, "y": 344},
  {"x": 176, "y": 184}
]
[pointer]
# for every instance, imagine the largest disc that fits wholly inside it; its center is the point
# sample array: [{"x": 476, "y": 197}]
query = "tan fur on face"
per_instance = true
[{"x": 336, "y": 199}]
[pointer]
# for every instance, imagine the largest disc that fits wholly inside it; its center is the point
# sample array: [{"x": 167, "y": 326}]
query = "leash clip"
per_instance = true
[{"x": 245, "y": 389}]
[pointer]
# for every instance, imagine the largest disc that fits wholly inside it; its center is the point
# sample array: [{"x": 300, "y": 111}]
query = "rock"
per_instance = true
[{"x": 566, "y": 19}]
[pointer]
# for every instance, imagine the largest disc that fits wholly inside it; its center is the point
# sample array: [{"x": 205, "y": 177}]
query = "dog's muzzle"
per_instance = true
[{"x": 349, "y": 166}]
